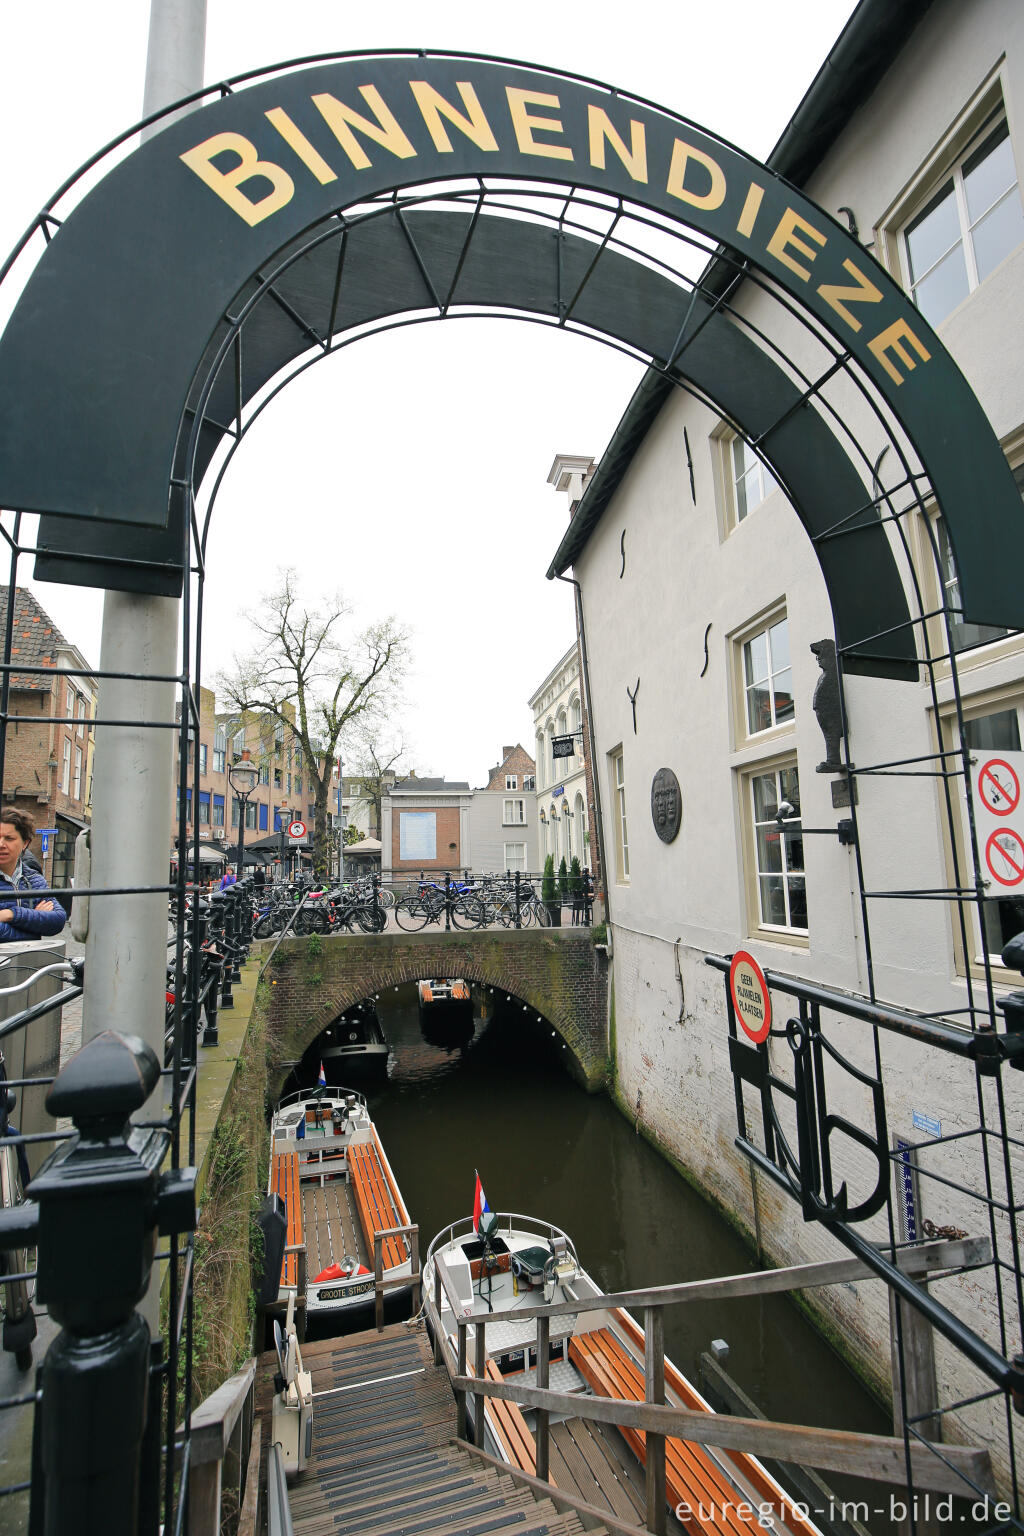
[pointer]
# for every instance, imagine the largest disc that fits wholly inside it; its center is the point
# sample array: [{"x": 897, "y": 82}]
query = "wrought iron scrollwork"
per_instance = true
[{"x": 806, "y": 1170}]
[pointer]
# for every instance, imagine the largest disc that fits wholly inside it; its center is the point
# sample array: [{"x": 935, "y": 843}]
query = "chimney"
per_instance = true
[
  {"x": 505, "y": 751},
  {"x": 571, "y": 472}
]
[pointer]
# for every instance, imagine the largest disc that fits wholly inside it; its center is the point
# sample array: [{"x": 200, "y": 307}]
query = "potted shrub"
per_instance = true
[
  {"x": 548, "y": 893},
  {"x": 563, "y": 882}
]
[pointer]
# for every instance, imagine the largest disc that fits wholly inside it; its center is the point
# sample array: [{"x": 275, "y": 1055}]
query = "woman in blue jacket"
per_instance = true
[{"x": 22, "y": 916}]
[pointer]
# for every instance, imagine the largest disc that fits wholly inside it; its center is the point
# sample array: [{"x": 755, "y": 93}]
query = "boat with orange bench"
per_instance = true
[
  {"x": 444, "y": 992},
  {"x": 517, "y": 1262},
  {"x": 340, "y": 1195}
]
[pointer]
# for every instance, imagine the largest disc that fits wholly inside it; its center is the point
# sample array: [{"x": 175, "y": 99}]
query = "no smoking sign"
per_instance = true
[
  {"x": 1004, "y": 856},
  {"x": 999, "y": 817}
]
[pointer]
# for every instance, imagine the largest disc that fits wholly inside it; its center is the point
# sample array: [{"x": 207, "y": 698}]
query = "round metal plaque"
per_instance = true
[{"x": 666, "y": 804}]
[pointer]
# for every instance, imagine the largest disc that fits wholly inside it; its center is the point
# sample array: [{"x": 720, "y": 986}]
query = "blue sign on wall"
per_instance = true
[{"x": 927, "y": 1123}]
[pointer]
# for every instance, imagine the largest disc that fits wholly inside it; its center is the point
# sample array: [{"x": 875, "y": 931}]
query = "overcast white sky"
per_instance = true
[{"x": 436, "y": 509}]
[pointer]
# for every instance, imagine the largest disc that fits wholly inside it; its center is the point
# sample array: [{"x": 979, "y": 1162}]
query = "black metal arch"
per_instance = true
[{"x": 89, "y": 423}]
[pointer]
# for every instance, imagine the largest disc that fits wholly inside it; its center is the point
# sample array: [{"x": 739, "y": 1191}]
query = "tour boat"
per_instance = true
[
  {"x": 444, "y": 992},
  {"x": 339, "y": 1191},
  {"x": 356, "y": 1043},
  {"x": 514, "y": 1261}
]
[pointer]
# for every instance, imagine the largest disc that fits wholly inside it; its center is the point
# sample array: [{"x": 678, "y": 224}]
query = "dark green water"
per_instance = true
[{"x": 502, "y": 1102}]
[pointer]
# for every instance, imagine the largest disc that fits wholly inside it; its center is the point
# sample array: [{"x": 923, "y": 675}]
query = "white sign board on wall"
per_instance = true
[
  {"x": 997, "y": 780},
  {"x": 417, "y": 835}
]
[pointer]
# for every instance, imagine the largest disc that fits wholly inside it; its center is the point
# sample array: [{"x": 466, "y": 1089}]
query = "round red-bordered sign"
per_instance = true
[
  {"x": 296, "y": 829},
  {"x": 750, "y": 997},
  {"x": 999, "y": 787},
  {"x": 1004, "y": 855}
]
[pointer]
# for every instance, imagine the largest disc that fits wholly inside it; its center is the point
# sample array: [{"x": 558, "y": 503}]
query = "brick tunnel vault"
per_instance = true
[{"x": 556, "y": 972}]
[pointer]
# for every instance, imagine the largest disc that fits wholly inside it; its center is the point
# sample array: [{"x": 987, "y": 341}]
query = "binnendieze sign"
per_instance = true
[{"x": 98, "y": 358}]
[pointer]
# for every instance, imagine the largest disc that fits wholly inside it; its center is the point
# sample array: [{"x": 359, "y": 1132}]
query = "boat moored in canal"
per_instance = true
[
  {"x": 479, "y": 1273},
  {"x": 355, "y": 1043},
  {"x": 444, "y": 992},
  {"x": 347, "y": 1223}
]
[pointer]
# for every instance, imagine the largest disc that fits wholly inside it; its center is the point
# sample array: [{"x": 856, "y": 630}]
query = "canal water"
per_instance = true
[{"x": 494, "y": 1094}]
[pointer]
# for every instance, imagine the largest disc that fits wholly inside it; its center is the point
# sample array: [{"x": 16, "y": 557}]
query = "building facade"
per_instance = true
[
  {"x": 503, "y": 815},
  {"x": 426, "y": 829},
  {"x": 48, "y": 753},
  {"x": 563, "y": 800},
  {"x": 707, "y": 622}
]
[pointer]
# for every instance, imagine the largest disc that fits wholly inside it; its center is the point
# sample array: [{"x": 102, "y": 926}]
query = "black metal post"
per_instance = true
[
  {"x": 519, "y": 921},
  {"x": 447, "y": 902},
  {"x": 96, "y": 1206}
]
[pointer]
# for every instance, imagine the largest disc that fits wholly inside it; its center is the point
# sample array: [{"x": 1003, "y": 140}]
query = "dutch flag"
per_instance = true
[
  {"x": 480, "y": 1206},
  {"x": 321, "y": 1081}
]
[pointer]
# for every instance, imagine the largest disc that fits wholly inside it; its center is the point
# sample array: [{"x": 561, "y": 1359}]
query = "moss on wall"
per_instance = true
[{"x": 229, "y": 1244}]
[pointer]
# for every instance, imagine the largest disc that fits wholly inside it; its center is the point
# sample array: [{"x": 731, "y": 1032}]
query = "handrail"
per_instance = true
[
  {"x": 279, "y": 1511},
  {"x": 881, "y": 1456},
  {"x": 412, "y": 1232},
  {"x": 213, "y": 1422}
]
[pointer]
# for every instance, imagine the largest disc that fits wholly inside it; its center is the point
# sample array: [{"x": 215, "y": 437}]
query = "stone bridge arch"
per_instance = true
[{"x": 559, "y": 973}]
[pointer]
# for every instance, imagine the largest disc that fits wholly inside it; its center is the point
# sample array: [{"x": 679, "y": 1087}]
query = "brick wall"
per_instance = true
[
  {"x": 447, "y": 823},
  {"x": 558, "y": 973}
]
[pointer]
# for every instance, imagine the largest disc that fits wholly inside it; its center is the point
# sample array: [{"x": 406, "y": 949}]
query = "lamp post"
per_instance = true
[
  {"x": 244, "y": 776},
  {"x": 282, "y": 821}
]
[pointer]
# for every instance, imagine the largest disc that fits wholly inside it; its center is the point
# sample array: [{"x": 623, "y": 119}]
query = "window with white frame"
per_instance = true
[
  {"x": 767, "y": 678},
  {"x": 76, "y": 783},
  {"x": 513, "y": 813},
  {"x": 65, "y": 773},
  {"x": 81, "y": 710},
  {"x": 970, "y": 222},
  {"x": 529, "y": 781},
  {"x": 202, "y": 757},
  {"x": 964, "y": 636},
  {"x": 511, "y": 781},
  {"x": 69, "y": 699},
  {"x": 752, "y": 480},
  {"x": 220, "y": 743},
  {"x": 998, "y": 732},
  {"x": 778, "y": 849},
  {"x": 515, "y": 855},
  {"x": 618, "y": 779}
]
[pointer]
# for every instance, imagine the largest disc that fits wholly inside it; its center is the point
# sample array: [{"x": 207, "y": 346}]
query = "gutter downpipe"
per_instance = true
[{"x": 595, "y": 776}]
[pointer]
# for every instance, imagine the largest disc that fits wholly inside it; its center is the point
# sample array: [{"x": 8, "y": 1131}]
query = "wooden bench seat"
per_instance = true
[
  {"x": 377, "y": 1202},
  {"x": 284, "y": 1181},
  {"x": 692, "y": 1478},
  {"x": 509, "y": 1426}
]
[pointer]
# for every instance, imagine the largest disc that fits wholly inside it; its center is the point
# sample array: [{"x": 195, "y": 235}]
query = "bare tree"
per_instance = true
[
  {"x": 301, "y": 673},
  {"x": 374, "y": 757}
]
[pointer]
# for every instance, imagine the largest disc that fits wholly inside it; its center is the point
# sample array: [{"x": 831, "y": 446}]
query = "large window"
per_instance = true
[
  {"x": 513, "y": 813},
  {"x": 76, "y": 788},
  {"x": 218, "y": 810},
  {"x": 1002, "y": 915},
  {"x": 752, "y": 480},
  {"x": 219, "y": 749},
  {"x": 65, "y": 772},
  {"x": 964, "y": 636},
  {"x": 969, "y": 224},
  {"x": 618, "y": 778},
  {"x": 778, "y": 850},
  {"x": 767, "y": 679},
  {"x": 515, "y": 855},
  {"x": 202, "y": 757}
]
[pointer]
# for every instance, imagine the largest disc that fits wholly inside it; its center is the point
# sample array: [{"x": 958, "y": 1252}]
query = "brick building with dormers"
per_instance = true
[{"x": 48, "y": 758}]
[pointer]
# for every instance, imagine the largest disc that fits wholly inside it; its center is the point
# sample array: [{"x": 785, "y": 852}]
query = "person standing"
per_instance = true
[{"x": 22, "y": 916}]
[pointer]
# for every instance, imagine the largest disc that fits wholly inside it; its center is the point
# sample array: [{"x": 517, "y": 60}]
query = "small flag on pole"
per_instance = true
[
  {"x": 321, "y": 1081},
  {"x": 480, "y": 1206}
]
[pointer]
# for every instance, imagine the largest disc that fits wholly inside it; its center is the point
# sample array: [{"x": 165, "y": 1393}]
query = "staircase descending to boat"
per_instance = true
[{"x": 385, "y": 1458}]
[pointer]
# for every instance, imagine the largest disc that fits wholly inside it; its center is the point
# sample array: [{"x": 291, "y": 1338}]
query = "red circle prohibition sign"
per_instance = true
[
  {"x": 1005, "y": 848},
  {"x": 999, "y": 792},
  {"x": 750, "y": 998}
]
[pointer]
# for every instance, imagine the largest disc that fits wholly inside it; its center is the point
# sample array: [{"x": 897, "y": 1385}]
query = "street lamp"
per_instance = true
[
  {"x": 244, "y": 777},
  {"x": 282, "y": 822}
]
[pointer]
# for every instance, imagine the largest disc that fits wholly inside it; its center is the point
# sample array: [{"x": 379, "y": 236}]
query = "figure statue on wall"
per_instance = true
[{"x": 827, "y": 706}]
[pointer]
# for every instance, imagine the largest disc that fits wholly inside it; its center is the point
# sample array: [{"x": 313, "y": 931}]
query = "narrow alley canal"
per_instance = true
[{"x": 492, "y": 1094}]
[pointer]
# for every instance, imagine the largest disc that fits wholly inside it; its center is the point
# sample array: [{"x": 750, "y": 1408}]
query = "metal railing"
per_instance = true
[{"x": 946, "y": 1469}]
